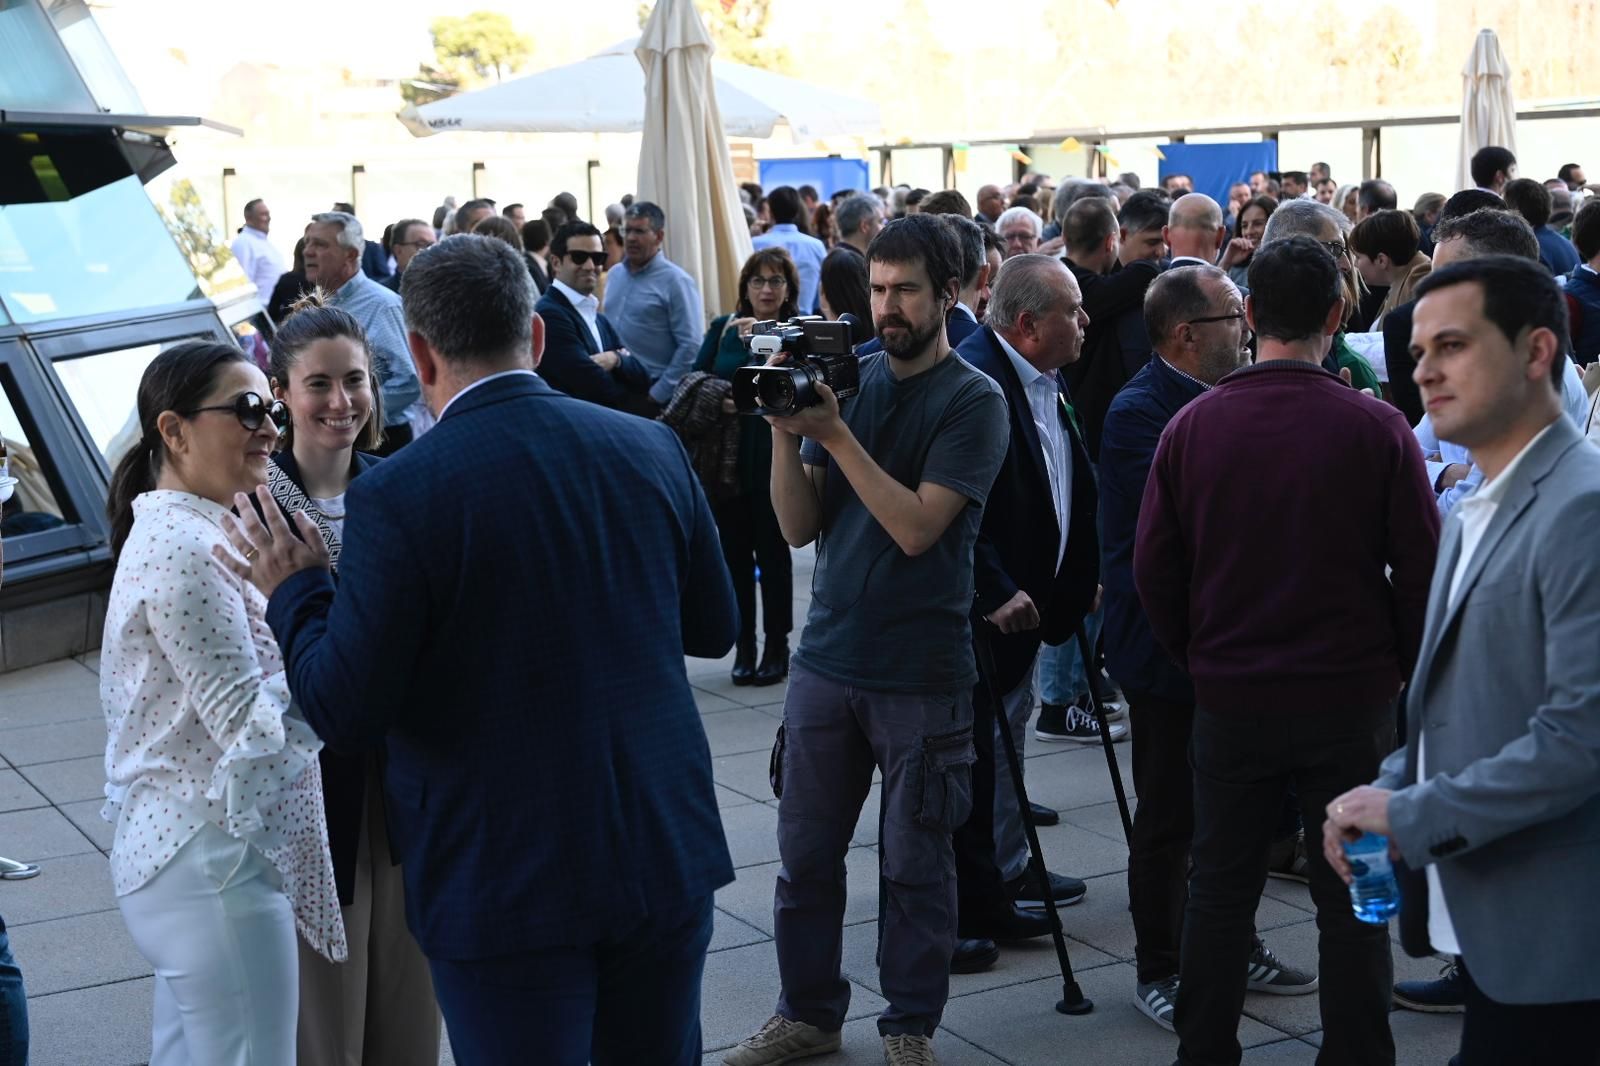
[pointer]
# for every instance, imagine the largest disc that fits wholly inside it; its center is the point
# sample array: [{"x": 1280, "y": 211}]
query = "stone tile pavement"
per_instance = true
[{"x": 90, "y": 990}]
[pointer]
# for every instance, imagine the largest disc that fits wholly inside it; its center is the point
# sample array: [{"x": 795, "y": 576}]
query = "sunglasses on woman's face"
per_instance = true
[
  {"x": 580, "y": 257},
  {"x": 251, "y": 411}
]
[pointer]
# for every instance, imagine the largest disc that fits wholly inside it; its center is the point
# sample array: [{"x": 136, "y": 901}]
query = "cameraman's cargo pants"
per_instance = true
[{"x": 835, "y": 736}]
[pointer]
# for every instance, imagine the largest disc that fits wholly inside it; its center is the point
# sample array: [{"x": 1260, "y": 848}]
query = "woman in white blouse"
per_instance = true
[{"x": 220, "y": 852}]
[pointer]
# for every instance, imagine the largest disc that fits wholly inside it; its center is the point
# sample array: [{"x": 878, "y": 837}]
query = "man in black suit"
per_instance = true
[
  {"x": 1036, "y": 566},
  {"x": 583, "y": 355}
]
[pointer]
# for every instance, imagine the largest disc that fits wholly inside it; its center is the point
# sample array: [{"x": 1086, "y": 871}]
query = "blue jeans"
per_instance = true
[
  {"x": 13, "y": 1007},
  {"x": 1063, "y": 679},
  {"x": 629, "y": 1000}
]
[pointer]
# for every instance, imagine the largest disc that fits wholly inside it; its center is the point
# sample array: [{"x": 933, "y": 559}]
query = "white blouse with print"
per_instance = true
[{"x": 195, "y": 697}]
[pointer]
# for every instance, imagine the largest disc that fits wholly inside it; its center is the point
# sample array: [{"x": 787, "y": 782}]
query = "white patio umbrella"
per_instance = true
[
  {"x": 1488, "y": 114},
  {"x": 684, "y": 165},
  {"x": 605, "y": 94}
]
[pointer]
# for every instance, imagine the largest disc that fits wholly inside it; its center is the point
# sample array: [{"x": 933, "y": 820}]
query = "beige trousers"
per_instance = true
[{"x": 377, "y": 1009}]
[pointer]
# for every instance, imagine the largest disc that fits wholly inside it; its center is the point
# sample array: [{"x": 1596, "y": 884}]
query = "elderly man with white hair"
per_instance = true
[
  {"x": 334, "y": 243},
  {"x": 1019, "y": 229}
]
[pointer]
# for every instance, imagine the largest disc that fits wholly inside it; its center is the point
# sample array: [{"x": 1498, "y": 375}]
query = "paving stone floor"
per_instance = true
[{"x": 90, "y": 990}]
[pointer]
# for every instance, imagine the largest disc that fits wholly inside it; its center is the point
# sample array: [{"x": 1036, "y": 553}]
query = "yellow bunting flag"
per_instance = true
[
  {"x": 1071, "y": 144},
  {"x": 1161, "y": 155},
  {"x": 1021, "y": 157}
]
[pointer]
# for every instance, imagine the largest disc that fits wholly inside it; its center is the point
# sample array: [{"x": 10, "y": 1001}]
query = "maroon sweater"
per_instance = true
[{"x": 1273, "y": 506}]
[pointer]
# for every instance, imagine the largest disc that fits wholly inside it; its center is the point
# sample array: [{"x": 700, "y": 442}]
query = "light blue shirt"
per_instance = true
[
  {"x": 1574, "y": 401},
  {"x": 658, "y": 313},
  {"x": 378, "y": 311},
  {"x": 807, "y": 253}
]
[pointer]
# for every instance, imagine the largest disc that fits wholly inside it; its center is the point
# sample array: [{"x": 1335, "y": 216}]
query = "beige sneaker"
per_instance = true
[
  {"x": 783, "y": 1040},
  {"x": 901, "y": 1050}
]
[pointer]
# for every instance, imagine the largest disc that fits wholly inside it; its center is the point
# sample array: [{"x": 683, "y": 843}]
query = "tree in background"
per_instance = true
[
  {"x": 468, "y": 50},
  {"x": 739, "y": 30}
]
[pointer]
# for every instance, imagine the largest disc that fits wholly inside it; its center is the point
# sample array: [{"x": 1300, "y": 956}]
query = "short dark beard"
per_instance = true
[{"x": 916, "y": 342}]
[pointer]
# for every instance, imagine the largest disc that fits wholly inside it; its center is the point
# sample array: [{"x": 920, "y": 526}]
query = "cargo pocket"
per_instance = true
[
  {"x": 775, "y": 767},
  {"x": 945, "y": 788}
]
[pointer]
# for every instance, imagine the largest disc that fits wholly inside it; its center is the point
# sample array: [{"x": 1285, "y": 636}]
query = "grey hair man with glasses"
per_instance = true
[{"x": 1329, "y": 227}]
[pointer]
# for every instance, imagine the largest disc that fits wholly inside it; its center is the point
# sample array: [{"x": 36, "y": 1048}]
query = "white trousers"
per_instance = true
[{"x": 217, "y": 928}]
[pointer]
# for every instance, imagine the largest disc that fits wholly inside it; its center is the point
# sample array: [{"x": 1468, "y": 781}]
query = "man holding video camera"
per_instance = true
[{"x": 891, "y": 485}]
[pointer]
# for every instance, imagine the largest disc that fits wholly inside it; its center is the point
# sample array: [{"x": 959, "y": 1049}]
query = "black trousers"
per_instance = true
[
  {"x": 1243, "y": 762},
  {"x": 1542, "y": 1034},
  {"x": 1163, "y": 825},
  {"x": 980, "y": 888},
  {"x": 750, "y": 538}
]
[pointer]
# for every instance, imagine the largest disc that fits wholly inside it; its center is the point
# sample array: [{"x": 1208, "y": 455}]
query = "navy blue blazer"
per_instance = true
[
  {"x": 568, "y": 344},
  {"x": 1020, "y": 536},
  {"x": 517, "y": 592},
  {"x": 957, "y": 328},
  {"x": 1134, "y": 422}
]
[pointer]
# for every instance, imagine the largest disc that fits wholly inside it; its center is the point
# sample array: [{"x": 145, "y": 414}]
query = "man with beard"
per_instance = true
[
  {"x": 891, "y": 486},
  {"x": 1195, "y": 318}
]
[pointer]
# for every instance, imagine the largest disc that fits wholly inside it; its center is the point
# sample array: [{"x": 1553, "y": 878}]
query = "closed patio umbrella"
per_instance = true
[
  {"x": 684, "y": 165},
  {"x": 1488, "y": 114}
]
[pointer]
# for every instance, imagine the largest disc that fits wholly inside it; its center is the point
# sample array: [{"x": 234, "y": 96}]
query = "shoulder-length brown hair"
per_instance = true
[{"x": 778, "y": 259}]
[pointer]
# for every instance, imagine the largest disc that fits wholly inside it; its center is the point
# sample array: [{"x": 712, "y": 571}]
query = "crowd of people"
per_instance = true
[{"x": 1304, "y": 473}]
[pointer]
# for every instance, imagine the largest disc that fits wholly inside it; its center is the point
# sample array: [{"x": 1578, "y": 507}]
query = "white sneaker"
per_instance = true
[
  {"x": 903, "y": 1050},
  {"x": 781, "y": 1040}
]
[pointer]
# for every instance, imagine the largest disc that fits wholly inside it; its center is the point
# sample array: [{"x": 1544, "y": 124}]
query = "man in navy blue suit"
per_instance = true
[
  {"x": 549, "y": 790},
  {"x": 1036, "y": 569},
  {"x": 583, "y": 356}
]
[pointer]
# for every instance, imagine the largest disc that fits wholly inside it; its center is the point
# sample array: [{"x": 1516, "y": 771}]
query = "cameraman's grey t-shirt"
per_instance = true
[{"x": 881, "y": 619}]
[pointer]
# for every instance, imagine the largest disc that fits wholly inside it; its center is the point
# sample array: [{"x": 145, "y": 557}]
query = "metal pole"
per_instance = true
[{"x": 1087, "y": 654}]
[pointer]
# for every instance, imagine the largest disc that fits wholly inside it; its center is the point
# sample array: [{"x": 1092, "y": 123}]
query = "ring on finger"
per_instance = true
[{"x": 250, "y": 556}]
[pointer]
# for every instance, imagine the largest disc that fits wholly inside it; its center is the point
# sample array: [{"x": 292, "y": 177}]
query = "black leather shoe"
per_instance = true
[
  {"x": 1010, "y": 923},
  {"x": 744, "y": 661},
  {"x": 1066, "y": 890},
  {"x": 1044, "y": 815},
  {"x": 974, "y": 956},
  {"x": 774, "y": 662}
]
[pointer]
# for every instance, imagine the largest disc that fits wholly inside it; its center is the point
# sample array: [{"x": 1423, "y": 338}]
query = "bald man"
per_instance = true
[
  {"x": 991, "y": 201},
  {"x": 1195, "y": 230}
]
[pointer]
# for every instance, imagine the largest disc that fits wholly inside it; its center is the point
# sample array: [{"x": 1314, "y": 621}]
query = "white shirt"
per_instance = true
[
  {"x": 482, "y": 381},
  {"x": 262, "y": 263},
  {"x": 1044, "y": 401},
  {"x": 196, "y": 703},
  {"x": 1474, "y": 513},
  {"x": 588, "y": 307}
]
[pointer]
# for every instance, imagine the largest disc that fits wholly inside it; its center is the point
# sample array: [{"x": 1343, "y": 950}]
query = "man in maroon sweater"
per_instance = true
[{"x": 1273, "y": 508}]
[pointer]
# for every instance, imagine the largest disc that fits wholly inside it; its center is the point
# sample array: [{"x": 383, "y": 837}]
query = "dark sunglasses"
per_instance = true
[
  {"x": 580, "y": 257},
  {"x": 251, "y": 411}
]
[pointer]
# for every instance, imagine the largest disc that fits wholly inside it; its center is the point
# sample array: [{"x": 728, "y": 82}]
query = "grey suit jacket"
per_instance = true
[{"x": 1507, "y": 693}]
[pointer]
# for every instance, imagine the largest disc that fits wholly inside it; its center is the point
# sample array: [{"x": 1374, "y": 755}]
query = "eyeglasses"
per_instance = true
[
  {"x": 579, "y": 257},
  {"x": 415, "y": 244},
  {"x": 1019, "y": 238},
  {"x": 1237, "y": 316},
  {"x": 251, "y": 411},
  {"x": 1336, "y": 249},
  {"x": 777, "y": 282}
]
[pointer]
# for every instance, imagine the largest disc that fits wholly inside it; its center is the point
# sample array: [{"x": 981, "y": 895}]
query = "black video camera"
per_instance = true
[{"x": 818, "y": 351}]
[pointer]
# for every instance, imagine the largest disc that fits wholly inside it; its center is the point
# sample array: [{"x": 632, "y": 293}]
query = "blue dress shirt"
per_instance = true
[
  {"x": 378, "y": 311},
  {"x": 658, "y": 313},
  {"x": 807, "y": 253}
]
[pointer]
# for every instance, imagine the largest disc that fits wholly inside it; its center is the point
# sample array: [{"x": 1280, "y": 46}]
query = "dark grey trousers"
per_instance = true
[{"x": 835, "y": 736}]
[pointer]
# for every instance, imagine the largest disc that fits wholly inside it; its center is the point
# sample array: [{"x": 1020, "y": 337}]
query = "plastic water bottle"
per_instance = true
[{"x": 1374, "y": 893}]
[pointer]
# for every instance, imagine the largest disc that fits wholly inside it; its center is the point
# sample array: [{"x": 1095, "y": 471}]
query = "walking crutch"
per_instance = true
[
  {"x": 1087, "y": 654},
  {"x": 1072, "y": 1001}
]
